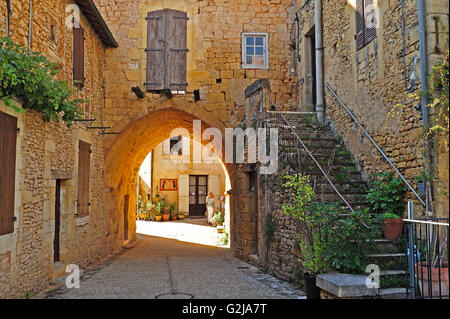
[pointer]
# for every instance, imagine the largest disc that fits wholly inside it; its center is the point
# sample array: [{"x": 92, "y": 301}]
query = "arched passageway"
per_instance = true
[{"x": 128, "y": 151}]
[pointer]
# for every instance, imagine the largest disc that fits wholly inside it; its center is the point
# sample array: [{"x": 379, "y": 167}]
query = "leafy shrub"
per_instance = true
[
  {"x": 386, "y": 194},
  {"x": 29, "y": 77}
]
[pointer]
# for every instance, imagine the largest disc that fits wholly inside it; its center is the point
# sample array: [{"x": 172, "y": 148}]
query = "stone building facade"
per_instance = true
[
  {"x": 226, "y": 46},
  {"x": 47, "y": 158},
  {"x": 373, "y": 79}
]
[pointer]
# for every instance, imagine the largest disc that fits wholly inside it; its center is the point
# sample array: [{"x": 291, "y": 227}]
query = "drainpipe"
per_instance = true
[
  {"x": 320, "y": 109},
  {"x": 423, "y": 102},
  {"x": 8, "y": 17},
  {"x": 30, "y": 26}
]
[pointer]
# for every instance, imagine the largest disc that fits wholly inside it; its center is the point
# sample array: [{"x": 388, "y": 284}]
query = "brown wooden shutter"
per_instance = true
[
  {"x": 78, "y": 56},
  {"x": 370, "y": 31},
  {"x": 177, "y": 50},
  {"x": 84, "y": 165},
  {"x": 8, "y": 138},
  {"x": 156, "y": 50},
  {"x": 359, "y": 37}
]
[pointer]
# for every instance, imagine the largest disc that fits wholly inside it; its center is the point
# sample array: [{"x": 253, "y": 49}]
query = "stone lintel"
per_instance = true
[
  {"x": 345, "y": 285},
  {"x": 61, "y": 175},
  {"x": 256, "y": 86}
]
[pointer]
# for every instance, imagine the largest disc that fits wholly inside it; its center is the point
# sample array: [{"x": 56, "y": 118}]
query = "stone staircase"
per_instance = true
[{"x": 344, "y": 172}]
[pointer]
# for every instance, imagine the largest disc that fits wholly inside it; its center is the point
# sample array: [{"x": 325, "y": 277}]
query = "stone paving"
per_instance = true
[{"x": 159, "y": 267}]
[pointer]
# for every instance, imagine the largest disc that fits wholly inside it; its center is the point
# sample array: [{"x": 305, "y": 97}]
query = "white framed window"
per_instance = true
[{"x": 255, "y": 52}]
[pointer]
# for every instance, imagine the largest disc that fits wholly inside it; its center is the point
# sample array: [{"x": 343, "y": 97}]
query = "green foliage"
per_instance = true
[
  {"x": 386, "y": 194},
  {"x": 327, "y": 240},
  {"x": 439, "y": 100},
  {"x": 390, "y": 216},
  {"x": 218, "y": 218},
  {"x": 225, "y": 238},
  {"x": 29, "y": 77},
  {"x": 269, "y": 229},
  {"x": 299, "y": 197},
  {"x": 348, "y": 240}
]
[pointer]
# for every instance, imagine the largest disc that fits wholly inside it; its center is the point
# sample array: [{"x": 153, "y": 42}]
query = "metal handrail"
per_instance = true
[
  {"x": 374, "y": 143},
  {"x": 316, "y": 162}
]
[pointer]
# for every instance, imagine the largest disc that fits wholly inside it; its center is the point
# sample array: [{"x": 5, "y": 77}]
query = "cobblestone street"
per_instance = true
[{"x": 159, "y": 267}]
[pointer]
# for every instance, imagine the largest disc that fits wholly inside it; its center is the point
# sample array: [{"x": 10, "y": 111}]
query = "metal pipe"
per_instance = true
[
  {"x": 320, "y": 108},
  {"x": 30, "y": 26},
  {"x": 411, "y": 250},
  {"x": 8, "y": 17},
  {"x": 423, "y": 99},
  {"x": 374, "y": 143}
]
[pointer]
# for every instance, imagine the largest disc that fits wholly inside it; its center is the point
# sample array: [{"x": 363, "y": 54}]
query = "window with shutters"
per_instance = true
[
  {"x": 366, "y": 22},
  {"x": 78, "y": 56},
  {"x": 255, "y": 53},
  {"x": 8, "y": 138},
  {"x": 84, "y": 165},
  {"x": 166, "y": 50}
]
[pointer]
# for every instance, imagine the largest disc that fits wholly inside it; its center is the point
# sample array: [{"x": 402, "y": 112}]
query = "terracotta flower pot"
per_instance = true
[
  {"x": 392, "y": 228},
  {"x": 174, "y": 218},
  {"x": 430, "y": 278},
  {"x": 166, "y": 217},
  {"x": 158, "y": 218}
]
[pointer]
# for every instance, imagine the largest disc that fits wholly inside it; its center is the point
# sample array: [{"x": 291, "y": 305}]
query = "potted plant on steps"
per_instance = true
[
  {"x": 392, "y": 226},
  {"x": 386, "y": 200}
]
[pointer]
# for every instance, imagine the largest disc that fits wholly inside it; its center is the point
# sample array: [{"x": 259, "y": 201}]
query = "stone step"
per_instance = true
[
  {"x": 392, "y": 272},
  {"x": 386, "y": 255},
  {"x": 393, "y": 293}
]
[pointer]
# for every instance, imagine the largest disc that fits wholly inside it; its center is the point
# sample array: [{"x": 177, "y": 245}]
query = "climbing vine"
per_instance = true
[{"x": 30, "y": 78}]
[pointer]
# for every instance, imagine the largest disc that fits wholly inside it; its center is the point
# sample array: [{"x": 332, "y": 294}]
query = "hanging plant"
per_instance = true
[{"x": 30, "y": 78}]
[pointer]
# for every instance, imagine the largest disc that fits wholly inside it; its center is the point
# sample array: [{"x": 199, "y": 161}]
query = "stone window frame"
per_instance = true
[{"x": 265, "y": 37}]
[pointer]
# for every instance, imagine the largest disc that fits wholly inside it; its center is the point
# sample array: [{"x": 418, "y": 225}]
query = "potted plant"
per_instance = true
[
  {"x": 385, "y": 198},
  {"x": 165, "y": 209},
  {"x": 173, "y": 211},
  {"x": 392, "y": 226},
  {"x": 432, "y": 265}
]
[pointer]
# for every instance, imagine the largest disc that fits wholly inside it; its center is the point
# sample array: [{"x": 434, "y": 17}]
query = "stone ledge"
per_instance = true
[{"x": 345, "y": 285}]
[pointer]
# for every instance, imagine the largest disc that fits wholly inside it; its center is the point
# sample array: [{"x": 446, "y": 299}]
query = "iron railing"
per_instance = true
[
  {"x": 296, "y": 156},
  {"x": 374, "y": 143},
  {"x": 427, "y": 253}
]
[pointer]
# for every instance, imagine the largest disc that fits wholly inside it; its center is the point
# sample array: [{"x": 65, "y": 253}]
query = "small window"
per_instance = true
[
  {"x": 255, "y": 51},
  {"x": 176, "y": 145}
]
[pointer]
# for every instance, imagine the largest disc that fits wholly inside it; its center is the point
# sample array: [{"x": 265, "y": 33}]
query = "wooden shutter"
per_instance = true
[
  {"x": 370, "y": 31},
  {"x": 156, "y": 50},
  {"x": 8, "y": 137},
  {"x": 166, "y": 50},
  {"x": 84, "y": 166},
  {"x": 359, "y": 24},
  {"x": 365, "y": 23},
  {"x": 177, "y": 50},
  {"x": 78, "y": 56}
]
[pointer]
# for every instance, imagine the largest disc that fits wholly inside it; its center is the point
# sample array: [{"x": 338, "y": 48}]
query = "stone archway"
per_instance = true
[{"x": 128, "y": 151}]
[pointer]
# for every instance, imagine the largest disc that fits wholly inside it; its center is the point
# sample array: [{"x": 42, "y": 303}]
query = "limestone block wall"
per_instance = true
[
  {"x": 49, "y": 151},
  {"x": 214, "y": 58},
  {"x": 374, "y": 79}
]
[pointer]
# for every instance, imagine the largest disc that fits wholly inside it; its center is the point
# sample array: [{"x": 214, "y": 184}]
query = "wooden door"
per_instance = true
[
  {"x": 198, "y": 190},
  {"x": 56, "y": 239}
]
